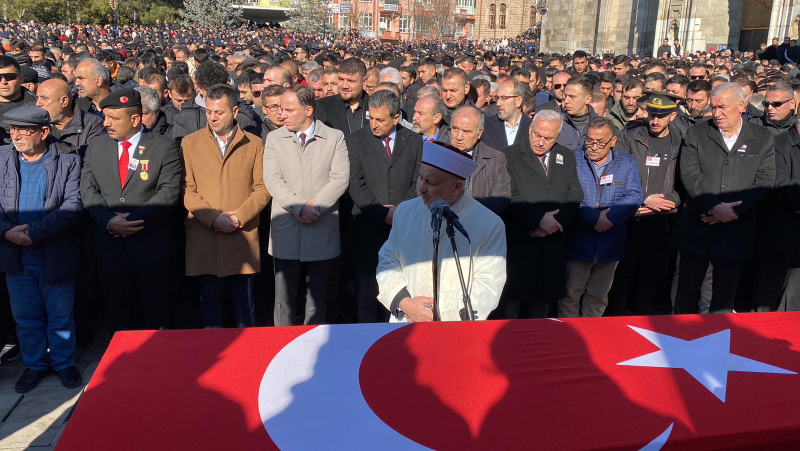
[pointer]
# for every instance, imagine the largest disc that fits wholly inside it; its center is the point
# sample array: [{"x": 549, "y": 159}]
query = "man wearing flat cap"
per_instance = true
[
  {"x": 405, "y": 262},
  {"x": 650, "y": 232},
  {"x": 40, "y": 210},
  {"x": 130, "y": 185}
]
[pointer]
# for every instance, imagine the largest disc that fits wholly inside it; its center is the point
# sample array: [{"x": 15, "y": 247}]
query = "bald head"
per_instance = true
[{"x": 54, "y": 96}]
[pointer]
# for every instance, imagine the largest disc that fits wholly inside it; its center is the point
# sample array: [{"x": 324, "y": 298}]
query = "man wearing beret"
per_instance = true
[
  {"x": 130, "y": 185},
  {"x": 40, "y": 208}
]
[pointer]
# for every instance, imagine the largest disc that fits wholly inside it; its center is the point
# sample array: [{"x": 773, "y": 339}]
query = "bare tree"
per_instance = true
[{"x": 435, "y": 15}]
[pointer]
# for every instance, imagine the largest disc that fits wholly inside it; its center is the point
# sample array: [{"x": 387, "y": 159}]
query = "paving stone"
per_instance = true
[
  {"x": 8, "y": 400},
  {"x": 37, "y": 419}
]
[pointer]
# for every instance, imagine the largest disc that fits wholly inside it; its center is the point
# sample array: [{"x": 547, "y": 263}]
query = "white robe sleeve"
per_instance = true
[
  {"x": 391, "y": 279},
  {"x": 489, "y": 277}
]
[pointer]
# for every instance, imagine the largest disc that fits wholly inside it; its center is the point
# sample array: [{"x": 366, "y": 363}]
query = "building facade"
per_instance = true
[
  {"x": 638, "y": 26},
  {"x": 394, "y": 20}
]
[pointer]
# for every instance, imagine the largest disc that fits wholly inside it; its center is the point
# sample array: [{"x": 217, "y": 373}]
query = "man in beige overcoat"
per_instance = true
[
  {"x": 306, "y": 168},
  {"x": 223, "y": 193}
]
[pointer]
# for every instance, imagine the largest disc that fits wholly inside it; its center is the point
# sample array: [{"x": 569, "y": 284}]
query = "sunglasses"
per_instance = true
[
  {"x": 256, "y": 93},
  {"x": 697, "y": 77},
  {"x": 9, "y": 77},
  {"x": 559, "y": 86},
  {"x": 774, "y": 104}
]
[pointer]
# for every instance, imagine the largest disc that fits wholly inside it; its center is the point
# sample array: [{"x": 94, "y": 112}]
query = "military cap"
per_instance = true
[
  {"x": 122, "y": 98},
  {"x": 661, "y": 102},
  {"x": 27, "y": 116}
]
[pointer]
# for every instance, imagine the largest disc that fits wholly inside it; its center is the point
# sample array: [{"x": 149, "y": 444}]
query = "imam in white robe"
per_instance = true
[{"x": 405, "y": 261}]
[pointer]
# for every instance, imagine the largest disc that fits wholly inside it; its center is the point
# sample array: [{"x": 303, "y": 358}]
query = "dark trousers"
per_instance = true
[
  {"x": 212, "y": 296},
  {"x": 692, "y": 273},
  {"x": 369, "y": 309},
  {"x": 647, "y": 251},
  {"x": 287, "y": 282},
  {"x": 776, "y": 286},
  {"x": 137, "y": 294}
]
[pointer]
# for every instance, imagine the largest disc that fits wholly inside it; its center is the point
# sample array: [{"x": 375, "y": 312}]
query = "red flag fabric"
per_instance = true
[{"x": 681, "y": 382}]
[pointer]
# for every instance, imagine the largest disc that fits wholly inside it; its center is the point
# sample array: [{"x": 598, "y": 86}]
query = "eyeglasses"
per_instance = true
[
  {"x": 598, "y": 144},
  {"x": 775, "y": 104},
  {"x": 273, "y": 107},
  {"x": 505, "y": 97},
  {"x": 9, "y": 77},
  {"x": 22, "y": 131},
  {"x": 697, "y": 77},
  {"x": 256, "y": 93},
  {"x": 559, "y": 86}
]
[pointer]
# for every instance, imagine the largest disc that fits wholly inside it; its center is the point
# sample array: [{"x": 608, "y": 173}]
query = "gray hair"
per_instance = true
[
  {"x": 310, "y": 65},
  {"x": 734, "y": 89},
  {"x": 98, "y": 70},
  {"x": 239, "y": 55},
  {"x": 483, "y": 77},
  {"x": 781, "y": 86},
  {"x": 428, "y": 91},
  {"x": 438, "y": 105},
  {"x": 315, "y": 75},
  {"x": 471, "y": 109},
  {"x": 549, "y": 116},
  {"x": 387, "y": 99},
  {"x": 394, "y": 74},
  {"x": 601, "y": 122},
  {"x": 150, "y": 100}
]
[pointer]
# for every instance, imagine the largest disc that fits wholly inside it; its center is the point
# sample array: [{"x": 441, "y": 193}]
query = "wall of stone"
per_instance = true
[{"x": 517, "y": 18}]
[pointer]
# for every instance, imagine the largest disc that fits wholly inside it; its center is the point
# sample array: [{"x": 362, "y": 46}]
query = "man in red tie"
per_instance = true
[
  {"x": 384, "y": 167},
  {"x": 130, "y": 183}
]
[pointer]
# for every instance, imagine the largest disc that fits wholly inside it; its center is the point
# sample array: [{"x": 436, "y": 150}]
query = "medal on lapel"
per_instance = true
[
  {"x": 145, "y": 163},
  {"x": 141, "y": 150}
]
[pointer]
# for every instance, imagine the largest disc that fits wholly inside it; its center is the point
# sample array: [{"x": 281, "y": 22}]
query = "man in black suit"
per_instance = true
[
  {"x": 725, "y": 181},
  {"x": 347, "y": 112},
  {"x": 384, "y": 167},
  {"x": 130, "y": 185},
  {"x": 509, "y": 126},
  {"x": 777, "y": 274},
  {"x": 545, "y": 195}
]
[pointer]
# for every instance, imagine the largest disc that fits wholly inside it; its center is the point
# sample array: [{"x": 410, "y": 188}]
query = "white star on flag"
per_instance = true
[{"x": 708, "y": 359}]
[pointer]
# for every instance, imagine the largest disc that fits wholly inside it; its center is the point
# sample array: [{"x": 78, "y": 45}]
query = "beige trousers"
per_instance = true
[{"x": 587, "y": 282}]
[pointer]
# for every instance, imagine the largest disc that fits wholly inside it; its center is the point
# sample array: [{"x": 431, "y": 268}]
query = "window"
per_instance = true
[
  {"x": 365, "y": 21},
  {"x": 386, "y": 23},
  {"x": 492, "y": 14},
  {"x": 502, "y": 16},
  {"x": 405, "y": 24},
  {"x": 421, "y": 27},
  {"x": 533, "y": 16},
  {"x": 344, "y": 22}
]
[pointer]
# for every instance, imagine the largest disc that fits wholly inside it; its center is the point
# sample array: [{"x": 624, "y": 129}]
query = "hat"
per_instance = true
[
  {"x": 27, "y": 116},
  {"x": 29, "y": 75},
  {"x": 42, "y": 71},
  {"x": 661, "y": 102},
  {"x": 122, "y": 98},
  {"x": 450, "y": 161}
]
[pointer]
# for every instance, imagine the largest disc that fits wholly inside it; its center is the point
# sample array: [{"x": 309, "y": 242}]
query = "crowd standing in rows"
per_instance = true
[{"x": 150, "y": 168}]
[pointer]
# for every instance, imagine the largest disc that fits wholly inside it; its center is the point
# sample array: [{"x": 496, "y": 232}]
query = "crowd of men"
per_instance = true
[{"x": 149, "y": 170}]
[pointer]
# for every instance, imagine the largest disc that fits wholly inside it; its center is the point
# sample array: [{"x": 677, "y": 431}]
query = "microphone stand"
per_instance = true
[
  {"x": 465, "y": 295},
  {"x": 436, "y": 316}
]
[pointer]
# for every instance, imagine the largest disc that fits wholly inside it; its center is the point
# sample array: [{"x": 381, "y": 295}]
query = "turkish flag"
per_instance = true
[{"x": 546, "y": 384}]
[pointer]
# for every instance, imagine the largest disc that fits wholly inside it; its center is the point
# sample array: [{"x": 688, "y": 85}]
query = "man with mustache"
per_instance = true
[
  {"x": 130, "y": 184},
  {"x": 40, "y": 210}
]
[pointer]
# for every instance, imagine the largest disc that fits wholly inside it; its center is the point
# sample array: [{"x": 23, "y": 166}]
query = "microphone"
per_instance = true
[
  {"x": 436, "y": 215},
  {"x": 453, "y": 218}
]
